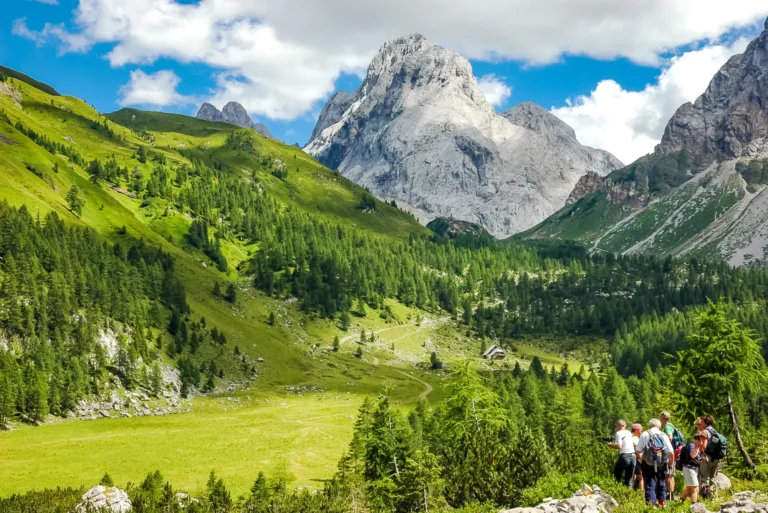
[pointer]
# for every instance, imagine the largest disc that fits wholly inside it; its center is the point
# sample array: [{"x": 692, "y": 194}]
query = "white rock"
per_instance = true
[
  {"x": 420, "y": 131},
  {"x": 104, "y": 498}
]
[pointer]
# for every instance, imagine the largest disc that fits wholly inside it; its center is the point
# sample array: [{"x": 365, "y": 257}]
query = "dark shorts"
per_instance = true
[{"x": 638, "y": 470}]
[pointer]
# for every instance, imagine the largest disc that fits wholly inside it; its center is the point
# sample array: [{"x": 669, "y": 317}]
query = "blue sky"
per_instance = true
[{"x": 282, "y": 73}]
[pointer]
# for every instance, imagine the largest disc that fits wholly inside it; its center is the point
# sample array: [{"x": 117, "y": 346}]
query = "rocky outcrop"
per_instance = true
[
  {"x": 452, "y": 228},
  {"x": 561, "y": 135},
  {"x": 420, "y": 131},
  {"x": 107, "y": 499},
  {"x": 332, "y": 112},
  {"x": 628, "y": 193},
  {"x": 586, "y": 500},
  {"x": 234, "y": 114},
  {"x": 730, "y": 119},
  {"x": 743, "y": 502}
]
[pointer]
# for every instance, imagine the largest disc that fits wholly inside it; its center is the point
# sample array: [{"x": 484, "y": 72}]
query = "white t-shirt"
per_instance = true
[
  {"x": 624, "y": 441},
  {"x": 646, "y": 437}
]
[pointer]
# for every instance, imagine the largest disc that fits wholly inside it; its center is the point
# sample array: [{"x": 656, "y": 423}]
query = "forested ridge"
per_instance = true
[{"x": 61, "y": 289}]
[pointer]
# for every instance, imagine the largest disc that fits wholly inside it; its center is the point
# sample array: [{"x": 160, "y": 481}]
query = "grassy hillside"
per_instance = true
[{"x": 681, "y": 217}]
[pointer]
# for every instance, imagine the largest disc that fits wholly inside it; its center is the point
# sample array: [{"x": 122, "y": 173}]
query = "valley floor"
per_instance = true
[{"x": 237, "y": 436}]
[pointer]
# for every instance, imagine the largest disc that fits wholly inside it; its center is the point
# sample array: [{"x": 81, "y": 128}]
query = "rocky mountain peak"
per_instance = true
[
  {"x": 332, "y": 111},
  {"x": 209, "y": 112},
  {"x": 534, "y": 117},
  {"x": 420, "y": 131},
  {"x": 730, "y": 119},
  {"x": 234, "y": 114}
]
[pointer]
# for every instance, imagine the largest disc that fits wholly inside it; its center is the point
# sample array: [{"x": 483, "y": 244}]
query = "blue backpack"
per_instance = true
[{"x": 655, "y": 452}]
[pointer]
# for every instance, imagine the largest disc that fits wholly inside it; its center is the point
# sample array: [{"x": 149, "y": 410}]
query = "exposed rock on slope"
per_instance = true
[
  {"x": 332, "y": 111},
  {"x": 615, "y": 192},
  {"x": 586, "y": 500},
  {"x": 420, "y": 131},
  {"x": 731, "y": 118},
  {"x": 452, "y": 228},
  {"x": 234, "y": 114},
  {"x": 104, "y": 498}
]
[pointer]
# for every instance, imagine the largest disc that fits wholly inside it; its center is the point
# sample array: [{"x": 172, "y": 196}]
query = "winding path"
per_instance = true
[{"x": 427, "y": 387}]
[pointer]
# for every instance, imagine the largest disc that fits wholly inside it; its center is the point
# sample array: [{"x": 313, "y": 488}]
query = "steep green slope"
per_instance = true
[
  {"x": 38, "y": 179},
  {"x": 306, "y": 183},
  {"x": 649, "y": 207},
  {"x": 12, "y": 73}
]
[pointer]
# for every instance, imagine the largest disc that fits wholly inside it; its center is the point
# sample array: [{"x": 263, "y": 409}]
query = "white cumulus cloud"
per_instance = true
[
  {"x": 68, "y": 42},
  {"x": 494, "y": 89},
  {"x": 156, "y": 89},
  {"x": 629, "y": 124},
  {"x": 279, "y": 58}
]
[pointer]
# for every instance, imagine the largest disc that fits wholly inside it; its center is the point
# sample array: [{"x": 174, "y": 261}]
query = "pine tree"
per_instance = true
[
  {"x": 175, "y": 323},
  {"x": 359, "y": 352},
  {"x": 530, "y": 460},
  {"x": 75, "y": 202},
  {"x": 725, "y": 360},
  {"x": 7, "y": 403},
  {"x": 344, "y": 320},
  {"x": 272, "y": 319},
  {"x": 142, "y": 154},
  {"x": 156, "y": 380},
  {"x": 360, "y": 310},
  {"x": 336, "y": 344},
  {"x": 420, "y": 487},
  {"x": 231, "y": 295},
  {"x": 217, "y": 289}
]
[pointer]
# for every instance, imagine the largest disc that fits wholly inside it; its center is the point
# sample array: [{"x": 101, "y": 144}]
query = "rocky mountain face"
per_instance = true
[
  {"x": 701, "y": 192},
  {"x": 332, "y": 112},
  {"x": 617, "y": 193},
  {"x": 420, "y": 131},
  {"x": 730, "y": 119},
  {"x": 234, "y": 114}
]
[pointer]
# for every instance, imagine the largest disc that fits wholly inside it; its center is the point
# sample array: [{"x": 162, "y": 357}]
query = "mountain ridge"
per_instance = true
[
  {"x": 234, "y": 114},
  {"x": 420, "y": 131},
  {"x": 702, "y": 192}
]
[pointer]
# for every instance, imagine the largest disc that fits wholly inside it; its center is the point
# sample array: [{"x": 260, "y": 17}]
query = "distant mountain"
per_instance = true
[
  {"x": 420, "y": 131},
  {"x": 234, "y": 114},
  {"x": 703, "y": 190}
]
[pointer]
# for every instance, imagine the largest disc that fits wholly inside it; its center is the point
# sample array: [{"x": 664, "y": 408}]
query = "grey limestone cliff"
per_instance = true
[
  {"x": 730, "y": 119},
  {"x": 420, "y": 131}
]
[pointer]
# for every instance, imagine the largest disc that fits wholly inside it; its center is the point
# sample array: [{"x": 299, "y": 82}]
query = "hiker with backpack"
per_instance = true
[
  {"x": 690, "y": 458},
  {"x": 655, "y": 453},
  {"x": 716, "y": 449},
  {"x": 636, "y": 430},
  {"x": 624, "y": 470},
  {"x": 678, "y": 441}
]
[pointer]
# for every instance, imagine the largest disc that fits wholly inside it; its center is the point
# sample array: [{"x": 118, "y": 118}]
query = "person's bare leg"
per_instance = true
[{"x": 694, "y": 494}]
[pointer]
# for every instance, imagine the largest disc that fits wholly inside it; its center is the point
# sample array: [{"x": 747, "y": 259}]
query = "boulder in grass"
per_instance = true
[{"x": 104, "y": 498}]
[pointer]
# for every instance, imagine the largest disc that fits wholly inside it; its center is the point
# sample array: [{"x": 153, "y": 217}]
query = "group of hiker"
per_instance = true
[{"x": 649, "y": 460}]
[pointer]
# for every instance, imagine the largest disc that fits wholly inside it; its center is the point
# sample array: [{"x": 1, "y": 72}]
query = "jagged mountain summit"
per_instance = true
[
  {"x": 420, "y": 131},
  {"x": 730, "y": 119},
  {"x": 234, "y": 114},
  {"x": 703, "y": 190}
]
